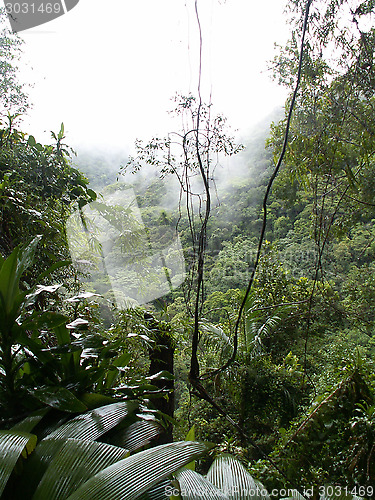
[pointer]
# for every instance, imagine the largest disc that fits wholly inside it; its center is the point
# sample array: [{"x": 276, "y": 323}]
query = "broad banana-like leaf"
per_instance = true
[
  {"x": 38, "y": 463},
  {"x": 74, "y": 464},
  {"x": 93, "y": 424},
  {"x": 137, "y": 435},
  {"x": 87, "y": 427},
  {"x": 158, "y": 492},
  {"x": 28, "y": 423},
  {"x": 129, "y": 478},
  {"x": 194, "y": 485},
  {"x": 10, "y": 274},
  {"x": 230, "y": 476},
  {"x": 12, "y": 446}
]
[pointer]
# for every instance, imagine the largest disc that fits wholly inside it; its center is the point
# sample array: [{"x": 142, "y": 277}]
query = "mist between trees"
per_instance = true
[{"x": 199, "y": 299}]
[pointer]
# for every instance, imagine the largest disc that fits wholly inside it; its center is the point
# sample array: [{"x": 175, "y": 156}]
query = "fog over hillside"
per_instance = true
[{"x": 102, "y": 165}]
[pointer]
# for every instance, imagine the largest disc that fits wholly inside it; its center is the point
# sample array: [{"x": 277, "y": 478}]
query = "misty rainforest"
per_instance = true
[{"x": 197, "y": 319}]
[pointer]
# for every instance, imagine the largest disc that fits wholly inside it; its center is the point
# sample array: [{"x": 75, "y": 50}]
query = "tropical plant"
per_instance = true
[
  {"x": 13, "y": 97},
  {"x": 228, "y": 479},
  {"x": 48, "y": 360},
  {"x": 362, "y": 449},
  {"x": 255, "y": 328},
  {"x": 38, "y": 188},
  {"x": 188, "y": 155},
  {"x": 95, "y": 455},
  {"x": 329, "y": 443}
]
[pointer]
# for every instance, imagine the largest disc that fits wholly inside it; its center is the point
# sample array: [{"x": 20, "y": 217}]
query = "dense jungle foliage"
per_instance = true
[{"x": 272, "y": 385}]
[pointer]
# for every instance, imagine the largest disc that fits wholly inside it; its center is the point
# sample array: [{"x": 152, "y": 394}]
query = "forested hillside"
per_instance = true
[{"x": 197, "y": 320}]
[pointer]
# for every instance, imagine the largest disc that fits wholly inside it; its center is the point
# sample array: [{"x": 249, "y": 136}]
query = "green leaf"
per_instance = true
[
  {"x": 9, "y": 282},
  {"x": 59, "y": 398},
  {"x": 158, "y": 492},
  {"x": 47, "y": 320},
  {"x": 137, "y": 435},
  {"x": 194, "y": 485},
  {"x": 28, "y": 423},
  {"x": 74, "y": 464},
  {"x": 120, "y": 362},
  {"x": 230, "y": 476},
  {"x": 62, "y": 333},
  {"x": 87, "y": 427},
  {"x": 351, "y": 177},
  {"x": 129, "y": 478},
  {"x": 190, "y": 436},
  {"x": 36, "y": 347},
  {"x": 92, "y": 194},
  {"x": 94, "y": 400},
  {"x": 61, "y": 133},
  {"x": 10, "y": 274},
  {"x": 26, "y": 256},
  {"x": 95, "y": 423},
  {"x": 12, "y": 445},
  {"x": 50, "y": 270}
]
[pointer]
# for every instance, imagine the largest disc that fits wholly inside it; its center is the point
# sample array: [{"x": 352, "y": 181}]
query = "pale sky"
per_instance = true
[{"x": 108, "y": 69}]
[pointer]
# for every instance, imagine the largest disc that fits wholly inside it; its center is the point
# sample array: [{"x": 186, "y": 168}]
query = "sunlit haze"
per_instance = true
[{"x": 109, "y": 69}]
